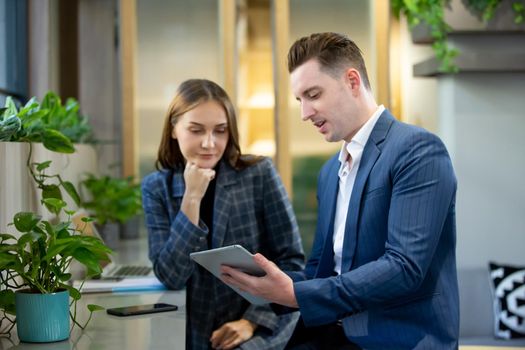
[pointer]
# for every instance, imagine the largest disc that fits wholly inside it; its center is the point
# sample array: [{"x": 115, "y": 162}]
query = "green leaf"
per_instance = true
[
  {"x": 7, "y": 248},
  {"x": 72, "y": 105},
  {"x": 25, "y": 222},
  {"x": 32, "y": 103},
  {"x": 33, "y": 118},
  {"x": 43, "y": 165},
  {"x": 52, "y": 198},
  {"x": 7, "y": 259},
  {"x": 9, "y": 127},
  {"x": 29, "y": 106},
  {"x": 7, "y": 301},
  {"x": 64, "y": 277},
  {"x": 93, "y": 307},
  {"x": 56, "y": 141},
  {"x": 62, "y": 234},
  {"x": 65, "y": 247},
  {"x": 48, "y": 228},
  {"x": 61, "y": 226},
  {"x": 54, "y": 204},
  {"x": 37, "y": 229},
  {"x": 87, "y": 258},
  {"x": 11, "y": 106},
  {"x": 74, "y": 293},
  {"x": 51, "y": 100},
  {"x": 29, "y": 237},
  {"x": 71, "y": 190},
  {"x": 6, "y": 237},
  {"x": 51, "y": 191}
]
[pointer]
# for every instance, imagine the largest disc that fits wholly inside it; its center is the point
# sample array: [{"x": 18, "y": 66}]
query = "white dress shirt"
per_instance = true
[{"x": 350, "y": 157}]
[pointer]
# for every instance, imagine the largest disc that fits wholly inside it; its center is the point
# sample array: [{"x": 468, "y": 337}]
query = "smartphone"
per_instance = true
[{"x": 141, "y": 309}]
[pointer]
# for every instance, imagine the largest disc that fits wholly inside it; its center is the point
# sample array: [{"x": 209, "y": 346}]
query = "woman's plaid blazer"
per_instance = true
[{"x": 251, "y": 208}]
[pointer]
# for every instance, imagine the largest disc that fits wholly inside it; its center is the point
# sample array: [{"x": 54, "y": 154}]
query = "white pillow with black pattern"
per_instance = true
[{"x": 508, "y": 293}]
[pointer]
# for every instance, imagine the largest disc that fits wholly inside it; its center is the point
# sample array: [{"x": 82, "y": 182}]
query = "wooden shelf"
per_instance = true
[
  {"x": 496, "y": 62},
  {"x": 480, "y": 50},
  {"x": 421, "y": 33}
]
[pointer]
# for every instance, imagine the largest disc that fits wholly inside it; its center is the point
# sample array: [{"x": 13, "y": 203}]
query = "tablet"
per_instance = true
[{"x": 234, "y": 256}]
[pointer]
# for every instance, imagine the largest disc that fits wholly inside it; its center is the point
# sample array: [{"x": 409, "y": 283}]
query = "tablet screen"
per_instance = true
[{"x": 234, "y": 256}]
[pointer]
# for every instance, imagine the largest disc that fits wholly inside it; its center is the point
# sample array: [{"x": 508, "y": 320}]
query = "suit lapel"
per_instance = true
[
  {"x": 326, "y": 263},
  {"x": 177, "y": 184},
  {"x": 368, "y": 159},
  {"x": 222, "y": 206}
]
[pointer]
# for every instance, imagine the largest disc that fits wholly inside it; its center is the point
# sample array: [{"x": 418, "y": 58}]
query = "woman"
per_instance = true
[{"x": 205, "y": 195}]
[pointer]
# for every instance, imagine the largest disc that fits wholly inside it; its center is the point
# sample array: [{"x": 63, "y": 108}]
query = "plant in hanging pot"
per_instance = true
[
  {"x": 111, "y": 201},
  {"x": 431, "y": 15},
  {"x": 57, "y": 126},
  {"x": 35, "y": 266},
  {"x": 47, "y": 130}
]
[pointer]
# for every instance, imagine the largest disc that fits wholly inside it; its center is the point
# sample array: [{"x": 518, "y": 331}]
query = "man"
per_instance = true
[{"x": 382, "y": 267}]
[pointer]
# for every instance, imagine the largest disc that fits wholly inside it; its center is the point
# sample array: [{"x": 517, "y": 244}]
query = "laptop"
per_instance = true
[
  {"x": 115, "y": 276},
  {"x": 113, "y": 270}
]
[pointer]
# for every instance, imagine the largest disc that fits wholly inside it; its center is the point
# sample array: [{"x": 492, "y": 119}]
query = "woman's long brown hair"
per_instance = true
[{"x": 190, "y": 94}]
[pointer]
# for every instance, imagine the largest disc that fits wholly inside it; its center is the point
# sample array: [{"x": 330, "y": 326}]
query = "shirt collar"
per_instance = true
[{"x": 361, "y": 137}]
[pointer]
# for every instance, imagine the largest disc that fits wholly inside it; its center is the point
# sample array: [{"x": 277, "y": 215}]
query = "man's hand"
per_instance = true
[
  {"x": 232, "y": 334},
  {"x": 275, "y": 286}
]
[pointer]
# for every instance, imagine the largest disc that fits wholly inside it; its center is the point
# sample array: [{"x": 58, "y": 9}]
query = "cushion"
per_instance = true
[{"x": 508, "y": 293}]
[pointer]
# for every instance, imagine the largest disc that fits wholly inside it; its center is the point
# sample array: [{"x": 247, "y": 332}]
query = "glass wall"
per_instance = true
[
  {"x": 13, "y": 56},
  {"x": 3, "y": 66},
  {"x": 308, "y": 149},
  {"x": 255, "y": 99},
  {"x": 176, "y": 40},
  {"x": 180, "y": 39}
]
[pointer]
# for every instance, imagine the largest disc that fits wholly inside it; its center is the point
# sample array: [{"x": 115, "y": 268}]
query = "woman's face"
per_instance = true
[{"x": 202, "y": 134}]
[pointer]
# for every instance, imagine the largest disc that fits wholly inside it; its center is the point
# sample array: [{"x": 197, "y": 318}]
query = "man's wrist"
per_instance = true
[
  {"x": 252, "y": 324},
  {"x": 293, "y": 299}
]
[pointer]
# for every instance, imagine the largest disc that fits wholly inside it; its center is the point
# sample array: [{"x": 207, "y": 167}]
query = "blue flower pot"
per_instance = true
[{"x": 42, "y": 318}]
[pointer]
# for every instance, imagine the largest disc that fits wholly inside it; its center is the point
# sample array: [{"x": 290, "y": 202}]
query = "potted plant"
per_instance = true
[
  {"x": 55, "y": 125},
  {"x": 35, "y": 267},
  {"x": 35, "y": 258},
  {"x": 111, "y": 202},
  {"x": 41, "y": 131}
]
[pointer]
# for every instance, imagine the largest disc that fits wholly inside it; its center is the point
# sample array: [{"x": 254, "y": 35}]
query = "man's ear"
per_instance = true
[{"x": 353, "y": 79}]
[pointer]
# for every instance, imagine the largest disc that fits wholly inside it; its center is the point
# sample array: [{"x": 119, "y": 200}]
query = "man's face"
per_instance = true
[{"x": 327, "y": 101}]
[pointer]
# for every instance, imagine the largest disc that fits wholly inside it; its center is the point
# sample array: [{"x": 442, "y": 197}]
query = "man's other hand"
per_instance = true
[{"x": 275, "y": 286}]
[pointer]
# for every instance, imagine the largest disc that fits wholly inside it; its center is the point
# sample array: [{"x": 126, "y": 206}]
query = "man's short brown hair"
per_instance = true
[{"x": 334, "y": 52}]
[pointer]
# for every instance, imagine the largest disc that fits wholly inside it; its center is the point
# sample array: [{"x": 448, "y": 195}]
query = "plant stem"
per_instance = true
[{"x": 74, "y": 316}]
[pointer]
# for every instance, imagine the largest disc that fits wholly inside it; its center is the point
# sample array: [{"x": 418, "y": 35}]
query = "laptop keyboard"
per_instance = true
[{"x": 129, "y": 270}]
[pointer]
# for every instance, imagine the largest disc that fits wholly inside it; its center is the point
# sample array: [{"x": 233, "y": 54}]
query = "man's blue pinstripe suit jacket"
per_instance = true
[{"x": 398, "y": 286}]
